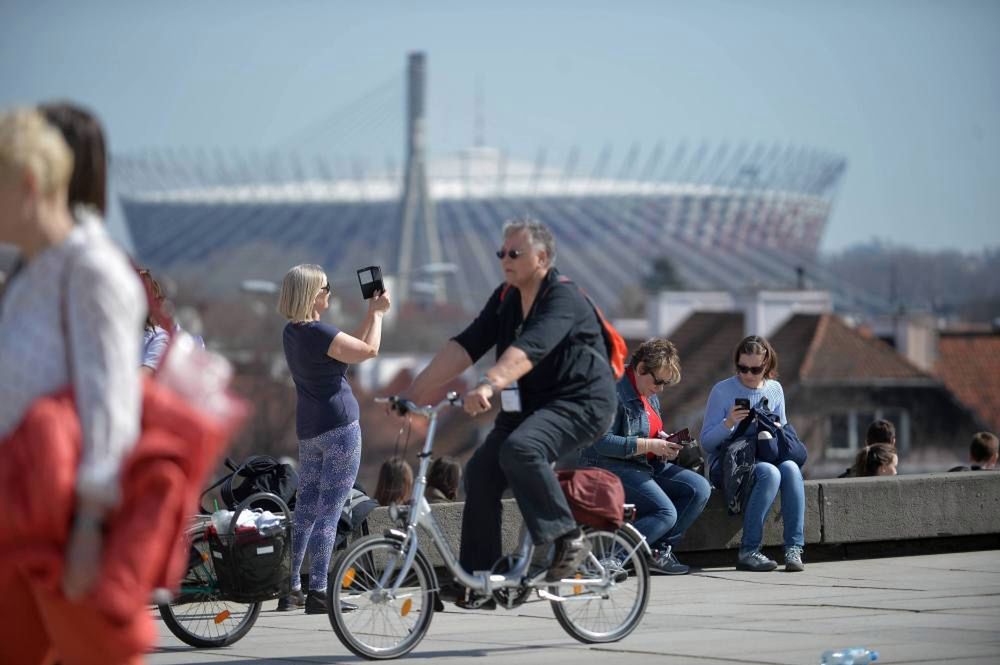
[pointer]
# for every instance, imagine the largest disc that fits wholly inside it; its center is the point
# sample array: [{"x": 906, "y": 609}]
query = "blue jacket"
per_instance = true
[{"x": 631, "y": 422}]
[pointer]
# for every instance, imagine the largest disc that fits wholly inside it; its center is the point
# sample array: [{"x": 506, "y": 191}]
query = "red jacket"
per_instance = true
[{"x": 144, "y": 545}]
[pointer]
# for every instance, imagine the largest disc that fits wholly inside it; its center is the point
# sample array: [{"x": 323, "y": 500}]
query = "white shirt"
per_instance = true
[
  {"x": 106, "y": 309},
  {"x": 154, "y": 345}
]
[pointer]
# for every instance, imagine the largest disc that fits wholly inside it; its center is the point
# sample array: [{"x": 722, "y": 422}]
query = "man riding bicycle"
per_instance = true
[{"x": 557, "y": 393}]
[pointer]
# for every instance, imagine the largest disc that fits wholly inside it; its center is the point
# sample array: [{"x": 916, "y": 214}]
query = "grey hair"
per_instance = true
[{"x": 539, "y": 235}]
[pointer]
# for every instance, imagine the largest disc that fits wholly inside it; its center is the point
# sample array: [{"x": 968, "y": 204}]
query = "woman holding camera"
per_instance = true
[
  {"x": 326, "y": 420},
  {"x": 668, "y": 497},
  {"x": 755, "y": 385}
]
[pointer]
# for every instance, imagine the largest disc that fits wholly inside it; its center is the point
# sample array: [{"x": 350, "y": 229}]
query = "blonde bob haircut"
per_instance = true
[
  {"x": 29, "y": 143},
  {"x": 299, "y": 290},
  {"x": 657, "y": 354}
]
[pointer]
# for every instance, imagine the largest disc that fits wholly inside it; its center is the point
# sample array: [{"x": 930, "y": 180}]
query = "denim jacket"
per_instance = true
[{"x": 631, "y": 422}]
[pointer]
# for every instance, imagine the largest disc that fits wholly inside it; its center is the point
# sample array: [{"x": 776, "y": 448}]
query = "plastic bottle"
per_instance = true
[{"x": 848, "y": 656}]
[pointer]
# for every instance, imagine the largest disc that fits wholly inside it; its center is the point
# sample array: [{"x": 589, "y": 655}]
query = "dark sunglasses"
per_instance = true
[
  {"x": 656, "y": 381},
  {"x": 512, "y": 253},
  {"x": 750, "y": 370},
  {"x": 325, "y": 287}
]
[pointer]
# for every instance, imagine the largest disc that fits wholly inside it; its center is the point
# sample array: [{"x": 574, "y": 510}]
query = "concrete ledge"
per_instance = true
[
  {"x": 838, "y": 511},
  {"x": 920, "y": 506}
]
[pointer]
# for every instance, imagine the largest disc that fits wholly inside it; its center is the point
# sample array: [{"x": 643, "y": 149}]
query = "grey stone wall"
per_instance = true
[{"x": 838, "y": 511}]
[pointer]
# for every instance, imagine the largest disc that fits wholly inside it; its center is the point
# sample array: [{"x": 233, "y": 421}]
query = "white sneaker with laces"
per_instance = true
[{"x": 793, "y": 559}]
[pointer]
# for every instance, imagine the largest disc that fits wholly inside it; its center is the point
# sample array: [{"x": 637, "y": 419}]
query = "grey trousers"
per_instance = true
[{"x": 519, "y": 453}]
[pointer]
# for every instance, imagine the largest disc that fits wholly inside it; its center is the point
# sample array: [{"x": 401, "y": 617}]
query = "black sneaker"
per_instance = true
[
  {"x": 451, "y": 591},
  {"x": 665, "y": 563},
  {"x": 756, "y": 562},
  {"x": 316, "y": 602},
  {"x": 295, "y": 600},
  {"x": 570, "y": 551}
]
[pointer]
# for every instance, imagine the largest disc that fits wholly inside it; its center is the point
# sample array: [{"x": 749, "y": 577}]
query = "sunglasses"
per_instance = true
[
  {"x": 512, "y": 253},
  {"x": 657, "y": 382},
  {"x": 743, "y": 369},
  {"x": 325, "y": 287}
]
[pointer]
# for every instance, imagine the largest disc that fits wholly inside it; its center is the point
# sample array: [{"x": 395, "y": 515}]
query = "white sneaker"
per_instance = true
[{"x": 793, "y": 559}]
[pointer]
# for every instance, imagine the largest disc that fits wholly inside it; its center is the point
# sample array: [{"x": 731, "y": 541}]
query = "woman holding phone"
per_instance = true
[
  {"x": 755, "y": 384},
  {"x": 668, "y": 498},
  {"x": 326, "y": 419}
]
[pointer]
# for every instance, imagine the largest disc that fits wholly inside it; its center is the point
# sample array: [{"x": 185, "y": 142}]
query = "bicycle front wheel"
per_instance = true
[
  {"x": 209, "y": 623},
  {"x": 198, "y": 616},
  {"x": 381, "y": 625},
  {"x": 593, "y": 614}
]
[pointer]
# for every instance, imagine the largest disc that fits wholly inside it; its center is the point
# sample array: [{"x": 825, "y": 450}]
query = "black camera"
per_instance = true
[{"x": 370, "y": 279}]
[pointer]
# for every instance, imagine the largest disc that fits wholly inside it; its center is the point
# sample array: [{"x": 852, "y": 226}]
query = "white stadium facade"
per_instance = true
[{"x": 727, "y": 218}]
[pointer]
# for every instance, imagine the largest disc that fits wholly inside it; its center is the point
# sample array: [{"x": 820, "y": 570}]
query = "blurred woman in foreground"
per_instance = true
[{"x": 70, "y": 314}]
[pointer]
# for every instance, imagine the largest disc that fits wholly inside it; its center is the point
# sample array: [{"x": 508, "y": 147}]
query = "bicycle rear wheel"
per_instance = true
[
  {"x": 593, "y": 614},
  {"x": 198, "y": 616},
  {"x": 382, "y": 626}
]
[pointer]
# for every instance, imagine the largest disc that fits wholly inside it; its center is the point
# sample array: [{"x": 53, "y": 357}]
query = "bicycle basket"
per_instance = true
[{"x": 251, "y": 564}]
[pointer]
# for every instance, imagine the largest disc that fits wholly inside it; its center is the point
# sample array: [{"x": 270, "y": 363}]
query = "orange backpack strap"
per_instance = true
[{"x": 613, "y": 340}]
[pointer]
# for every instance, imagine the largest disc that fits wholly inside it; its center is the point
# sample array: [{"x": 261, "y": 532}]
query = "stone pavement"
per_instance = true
[{"x": 942, "y": 608}]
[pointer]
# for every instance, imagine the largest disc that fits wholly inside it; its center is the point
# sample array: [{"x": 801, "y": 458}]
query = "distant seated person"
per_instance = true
[
  {"x": 155, "y": 338},
  {"x": 395, "y": 482},
  {"x": 443, "y": 480},
  {"x": 880, "y": 431},
  {"x": 983, "y": 453},
  {"x": 878, "y": 459}
]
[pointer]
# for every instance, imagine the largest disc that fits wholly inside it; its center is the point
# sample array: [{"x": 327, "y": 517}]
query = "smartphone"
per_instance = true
[
  {"x": 743, "y": 402},
  {"x": 370, "y": 279},
  {"x": 681, "y": 436}
]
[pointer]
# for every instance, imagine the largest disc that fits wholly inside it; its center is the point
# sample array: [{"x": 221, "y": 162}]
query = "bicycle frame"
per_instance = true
[{"x": 419, "y": 513}]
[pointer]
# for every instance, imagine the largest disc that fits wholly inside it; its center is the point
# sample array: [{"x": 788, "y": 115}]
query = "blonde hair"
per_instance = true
[
  {"x": 29, "y": 143},
  {"x": 299, "y": 290},
  {"x": 658, "y": 353}
]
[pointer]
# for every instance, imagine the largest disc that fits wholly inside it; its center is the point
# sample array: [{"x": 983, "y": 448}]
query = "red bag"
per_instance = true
[{"x": 595, "y": 496}]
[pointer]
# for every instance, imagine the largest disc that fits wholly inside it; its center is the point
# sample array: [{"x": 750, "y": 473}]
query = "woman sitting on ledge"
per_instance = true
[
  {"x": 755, "y": 383},
  {"x": 668, "y": 498}
]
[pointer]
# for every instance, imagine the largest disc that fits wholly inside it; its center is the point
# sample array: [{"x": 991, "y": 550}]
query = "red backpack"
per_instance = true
[
  {"x": 596, "y": 496},
  {"x": 614, "y": 343}
]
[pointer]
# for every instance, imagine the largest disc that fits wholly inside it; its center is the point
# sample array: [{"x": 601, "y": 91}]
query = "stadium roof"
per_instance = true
[{"x": 729, "y": 220}]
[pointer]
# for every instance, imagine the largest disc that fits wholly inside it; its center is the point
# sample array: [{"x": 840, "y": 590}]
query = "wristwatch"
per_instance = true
[{"x": 486, "y": 381}]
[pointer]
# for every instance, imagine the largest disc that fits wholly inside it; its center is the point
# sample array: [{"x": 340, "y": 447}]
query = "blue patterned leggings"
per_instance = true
[{"x": 328, "y": 467}]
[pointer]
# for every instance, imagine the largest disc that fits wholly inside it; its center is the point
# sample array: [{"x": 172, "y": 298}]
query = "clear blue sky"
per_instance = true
[{"x": 908, "y": 91}]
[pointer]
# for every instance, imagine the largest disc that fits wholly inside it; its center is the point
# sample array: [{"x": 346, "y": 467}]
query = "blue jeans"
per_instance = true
[
  {"x": 667, "y": 499},
  {"x": 768, "y": 481}
]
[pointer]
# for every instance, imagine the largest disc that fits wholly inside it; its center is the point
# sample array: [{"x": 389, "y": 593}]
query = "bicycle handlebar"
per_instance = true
[{"x": 403, "y": 406}]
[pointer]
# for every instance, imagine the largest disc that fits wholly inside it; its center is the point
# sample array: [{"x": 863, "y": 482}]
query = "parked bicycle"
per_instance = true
[
  {"x": 390, "y": 582},
  {"x": 229, "y": 576}
]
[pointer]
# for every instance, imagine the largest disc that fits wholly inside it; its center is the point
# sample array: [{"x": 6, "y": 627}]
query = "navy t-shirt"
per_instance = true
[{"x": 325, "y": 400}]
